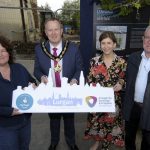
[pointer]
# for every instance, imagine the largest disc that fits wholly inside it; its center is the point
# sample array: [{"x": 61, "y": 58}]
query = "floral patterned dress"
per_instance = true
[{"x": 106, "y": 127}]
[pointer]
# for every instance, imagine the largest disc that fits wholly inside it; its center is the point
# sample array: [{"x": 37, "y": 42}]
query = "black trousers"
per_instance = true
[
  {"x": 69, "y": 128},
  {"x": 131, "y": 128}
]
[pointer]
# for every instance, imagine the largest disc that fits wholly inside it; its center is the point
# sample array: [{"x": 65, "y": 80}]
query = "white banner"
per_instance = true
[{"x": 76, "y": 98}]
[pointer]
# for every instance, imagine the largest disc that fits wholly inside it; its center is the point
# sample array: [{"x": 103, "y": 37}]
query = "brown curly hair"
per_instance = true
[{"x": 6, "y": 44}]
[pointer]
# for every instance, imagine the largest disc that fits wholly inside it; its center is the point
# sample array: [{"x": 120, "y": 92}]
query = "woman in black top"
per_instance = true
[{"x": 15, "y": 127}]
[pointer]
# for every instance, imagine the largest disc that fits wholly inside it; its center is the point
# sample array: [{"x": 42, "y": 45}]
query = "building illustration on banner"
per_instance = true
[{"x": 67, "y": 98}]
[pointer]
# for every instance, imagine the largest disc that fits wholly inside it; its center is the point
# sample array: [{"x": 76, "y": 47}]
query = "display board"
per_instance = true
[{"x": 127, "y": 29}]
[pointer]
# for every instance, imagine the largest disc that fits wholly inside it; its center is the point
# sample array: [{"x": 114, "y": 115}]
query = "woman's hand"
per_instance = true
[
  {"x": 16, "y": 112},
  {"x": 117, "y": 87},
  {"x": 33, "y": 85}
]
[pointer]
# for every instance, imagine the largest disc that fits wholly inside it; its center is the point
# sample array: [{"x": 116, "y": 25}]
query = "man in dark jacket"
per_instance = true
[
  {"x": 136, "y": 108},
  {"x": 64, "y": 59}
]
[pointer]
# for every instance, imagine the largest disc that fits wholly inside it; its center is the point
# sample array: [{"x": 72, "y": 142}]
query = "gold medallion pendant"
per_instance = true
[
  {"x": 57, "y": 68},
  {"x": 57, "y": 59}
]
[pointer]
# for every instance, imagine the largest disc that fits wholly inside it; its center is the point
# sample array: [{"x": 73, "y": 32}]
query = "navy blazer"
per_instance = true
[
  {"x": 71, "y": 62},
  {"x": 19, "y": 77},
  {"x": 133, "y": 64}
]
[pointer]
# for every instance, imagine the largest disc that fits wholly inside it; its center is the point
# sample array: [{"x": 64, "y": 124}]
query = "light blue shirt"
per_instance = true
[{"x": 141, "y": 80}]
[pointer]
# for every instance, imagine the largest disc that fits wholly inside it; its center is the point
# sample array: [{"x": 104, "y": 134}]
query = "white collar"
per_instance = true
[{"x": 59, "y": 46}]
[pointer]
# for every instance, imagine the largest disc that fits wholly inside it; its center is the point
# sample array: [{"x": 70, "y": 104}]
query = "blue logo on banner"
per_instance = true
[{"x": 24, "y": 102}]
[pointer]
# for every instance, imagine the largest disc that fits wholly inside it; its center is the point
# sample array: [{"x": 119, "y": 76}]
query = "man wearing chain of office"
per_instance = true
[{"x": 64, "y": 59}]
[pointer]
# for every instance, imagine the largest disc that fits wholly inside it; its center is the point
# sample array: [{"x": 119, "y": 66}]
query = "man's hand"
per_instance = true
[
  {"x": 73, "y": 81},
  {"x": 44, "y": 79}
]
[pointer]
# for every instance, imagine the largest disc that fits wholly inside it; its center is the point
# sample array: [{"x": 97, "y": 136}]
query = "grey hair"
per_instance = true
[{"x": 147, "y": 29}]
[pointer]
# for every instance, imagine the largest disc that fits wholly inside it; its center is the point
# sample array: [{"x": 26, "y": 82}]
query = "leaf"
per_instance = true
[{"x": 137, "y": 5}]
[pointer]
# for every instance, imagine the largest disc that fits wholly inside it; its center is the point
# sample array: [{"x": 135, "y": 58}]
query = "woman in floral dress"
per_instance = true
[{"x": 108, "y": 70}]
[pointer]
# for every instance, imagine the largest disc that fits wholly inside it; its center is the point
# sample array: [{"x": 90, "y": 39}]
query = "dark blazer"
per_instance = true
[
  {"x": 133, "y": 63},
  {"x": 72, "y": 62},
  {"x": 19, "y": 77}
]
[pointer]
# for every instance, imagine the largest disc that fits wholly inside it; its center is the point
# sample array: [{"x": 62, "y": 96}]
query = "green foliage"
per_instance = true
[
  {"x": 70, "y": 14},
  {"x": 124, "y": 11},
  {"x": 108, "y": 4},
  {"x": 125, "y": 7}
]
